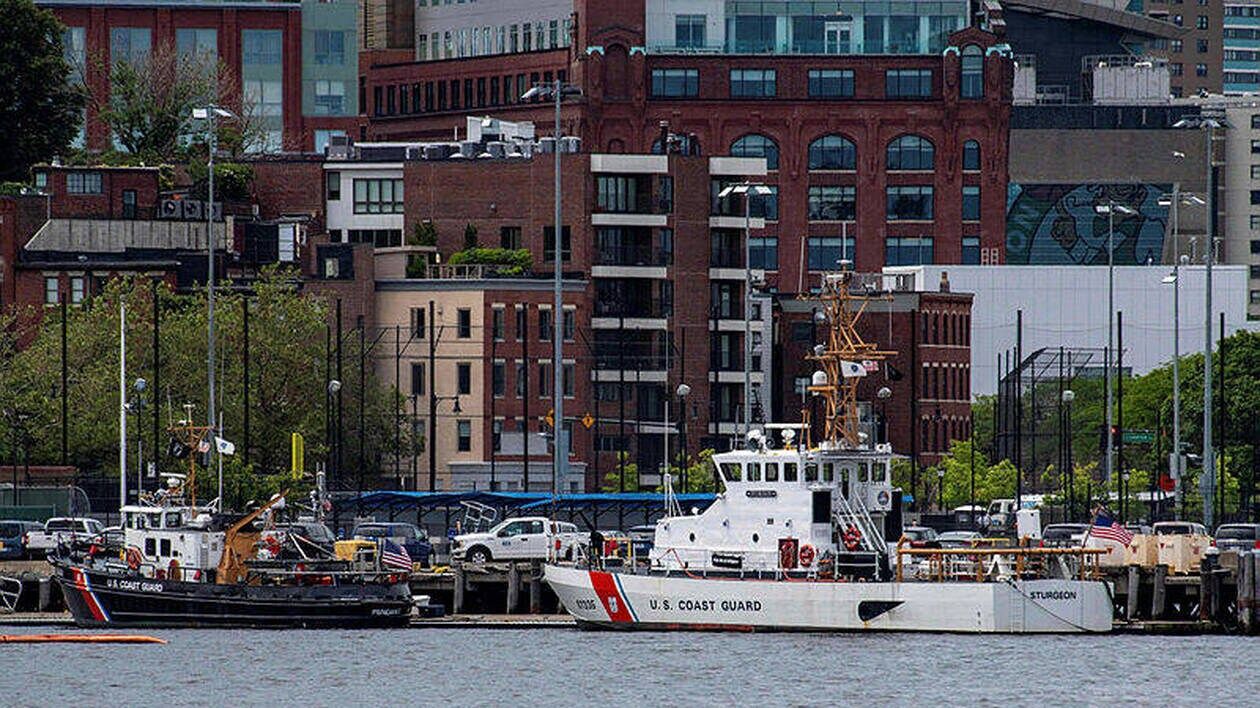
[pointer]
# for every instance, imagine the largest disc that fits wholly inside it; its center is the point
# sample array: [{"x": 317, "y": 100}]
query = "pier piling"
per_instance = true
[
  {"x": 535, "y": 588},
  {"x": 457, "y": 595},
  {"x": 513, "y": 588},
  {"x": 1133, "y": 590},
  {"x": 1159, "y": 595}
]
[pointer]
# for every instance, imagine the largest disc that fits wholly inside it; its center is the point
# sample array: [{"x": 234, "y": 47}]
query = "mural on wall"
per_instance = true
[{"x": 1058, "y": 224}]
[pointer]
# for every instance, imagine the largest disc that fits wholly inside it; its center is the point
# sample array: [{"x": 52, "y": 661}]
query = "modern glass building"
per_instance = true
[
  {"x": 783, "y": 27},
  {"x": 1242, "y": 46}
]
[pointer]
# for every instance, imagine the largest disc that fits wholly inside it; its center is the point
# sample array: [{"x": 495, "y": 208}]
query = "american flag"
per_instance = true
[
  {"x": 1108, "y": 528},
  {"x": 395, "y": 556}
]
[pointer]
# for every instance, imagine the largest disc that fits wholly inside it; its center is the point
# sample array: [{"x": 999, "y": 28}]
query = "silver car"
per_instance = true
[{"x": 1237, "y": 537}]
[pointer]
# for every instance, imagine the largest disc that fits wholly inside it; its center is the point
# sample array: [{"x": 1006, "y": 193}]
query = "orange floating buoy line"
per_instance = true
[{"x": 80, "y": 638}]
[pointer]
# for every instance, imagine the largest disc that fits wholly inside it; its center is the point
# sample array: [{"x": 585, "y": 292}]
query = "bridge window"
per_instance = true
[
  {"x": 878, "y": 472},
  {"x": 811, "y": 472},
  {"x": 165, "y": 547},
  {"x": 863, "y": 473},
  {"x": 731, "y": 471},
  {"x": 829, "y": 472},
  {"x": 754, "y": 472},
  {"x": 772, "y": 471},
  {"x": 789, "y": 472}
]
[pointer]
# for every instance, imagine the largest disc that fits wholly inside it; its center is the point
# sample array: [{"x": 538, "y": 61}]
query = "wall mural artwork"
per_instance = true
[{"x": 1057, "y": 224}]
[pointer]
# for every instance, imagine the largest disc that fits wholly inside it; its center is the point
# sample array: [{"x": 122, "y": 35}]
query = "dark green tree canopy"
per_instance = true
[{"x": 40, "y": 106}]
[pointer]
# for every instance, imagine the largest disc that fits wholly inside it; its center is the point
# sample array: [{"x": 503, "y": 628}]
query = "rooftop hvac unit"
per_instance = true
[
  {"x": 468, "y": 148},
  {"x": 547, "y": 145},
  {"x": 172, "y": 209},
  {"x": 286, "y": 248},
  {"x": 338, "y": 147},
  {"x": 570, "y": 144},
  {"x": 526, "y": 149},
  {"x": 194, "y": 210},
  {"x": 497, "y": 149},
  {"x": 434, "y": 151},
  {"x": 415, "y": 152}
]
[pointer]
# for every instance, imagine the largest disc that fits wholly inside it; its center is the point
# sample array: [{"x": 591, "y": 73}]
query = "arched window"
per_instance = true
[
  {"x": 911, "y": 152},
  {"x": 681, "y": 145},
  {"x": 832, "y": 152},
  {"x": 971, "y": 155},
  {"x": 972, "y": 72},
  {"x": 757, "y": 146}
]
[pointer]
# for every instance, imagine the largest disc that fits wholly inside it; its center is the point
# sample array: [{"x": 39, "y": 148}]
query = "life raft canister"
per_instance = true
[
  {"x": 173, "y": 570},
  {"x": 133, "y": 558},
  {"x": 807, "y": 555}
]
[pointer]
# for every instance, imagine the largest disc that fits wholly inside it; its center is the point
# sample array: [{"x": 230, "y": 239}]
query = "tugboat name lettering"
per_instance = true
[
  {"x": 133, "y": 585},
  {"x": 1053, "y": 595}
]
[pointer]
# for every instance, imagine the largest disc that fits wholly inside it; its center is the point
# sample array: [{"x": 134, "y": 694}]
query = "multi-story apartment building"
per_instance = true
[
  {"x": 884, "y": 135},
  {"x": 1241, "y": 45},
  {"x": 294, "y": 64}
]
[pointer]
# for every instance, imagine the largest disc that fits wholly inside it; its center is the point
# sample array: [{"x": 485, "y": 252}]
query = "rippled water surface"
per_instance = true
[{"x": 475, "y": 667}]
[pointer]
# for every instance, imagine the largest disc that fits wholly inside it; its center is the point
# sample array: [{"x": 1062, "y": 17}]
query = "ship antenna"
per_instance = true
[{"x": 844, "y": 358}]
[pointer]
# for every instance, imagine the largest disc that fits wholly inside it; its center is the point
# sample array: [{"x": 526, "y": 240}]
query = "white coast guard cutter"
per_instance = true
[{"x": 795, "y": 541}]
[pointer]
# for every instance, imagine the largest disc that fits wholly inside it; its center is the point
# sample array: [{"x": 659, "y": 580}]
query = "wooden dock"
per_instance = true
[{"x": 1221, "y": 597}]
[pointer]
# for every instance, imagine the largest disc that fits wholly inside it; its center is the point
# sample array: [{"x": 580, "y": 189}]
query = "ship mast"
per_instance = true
[{"x": 842, "y": 360}]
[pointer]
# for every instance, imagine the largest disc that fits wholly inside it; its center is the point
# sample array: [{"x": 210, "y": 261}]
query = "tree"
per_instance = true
[
  {"x": 40, "y": 104},
  {"x": 286, "y": 335},
  {"x": 148, "y": 105},
  {"x": 470, "y": 237},
  {"x": 613, "y": 480}
]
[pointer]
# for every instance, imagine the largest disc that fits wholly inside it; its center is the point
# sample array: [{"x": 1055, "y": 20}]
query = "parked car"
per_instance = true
[
  {"x": 521, "y": 538},
  {"x": 1179, "y": 528},
  {"x": 958, "y": 539},
  {"x": 1061, "y": 535},
  {"x": 1138, "y": 529},
  {"x": 314, "y": 532},
  {"x": 643, "y": 538},
  {"x": 1237, "y": 537},
  {"x": 67, "y": 530},
  {"x": 921, "y": 537},
  {"x": 13, "y": 537},
  {"x": 409, "y": 536}
]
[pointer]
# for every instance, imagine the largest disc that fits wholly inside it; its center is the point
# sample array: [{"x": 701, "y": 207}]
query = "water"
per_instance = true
[{"x": 553, "y": 667}]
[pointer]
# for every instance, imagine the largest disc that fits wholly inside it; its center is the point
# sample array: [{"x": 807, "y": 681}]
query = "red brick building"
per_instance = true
[
  {"x": 259, "y": 44},
  {"x": 878, "y": 158}
]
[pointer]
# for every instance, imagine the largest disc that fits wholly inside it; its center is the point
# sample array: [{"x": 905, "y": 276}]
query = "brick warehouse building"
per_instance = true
[
  {"x": 890, "y": 159},
  {"x": 295, "y": 61}
]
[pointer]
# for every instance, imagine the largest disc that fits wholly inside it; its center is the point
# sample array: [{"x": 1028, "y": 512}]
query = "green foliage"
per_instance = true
[
  {"x": 424, "y": 233},
  {"x": 286, "y": 335},
  {"x": 993, "y": 481},
  {"x": 470, "y": 237},
  {"x": 701, "y": 474},
  {"x": 10, "y": 189},
  {"x": 232, "y": 180},
  {"x": 623, "y": 469},
  {"x": 40, "y": 104},
  {"x": 511, "y": 262}
]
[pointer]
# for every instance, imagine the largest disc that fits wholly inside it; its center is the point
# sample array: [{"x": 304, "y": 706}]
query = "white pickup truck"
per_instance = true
[
  {"x": 63, "y": 530},
  {"x": 520, "y": 538}
]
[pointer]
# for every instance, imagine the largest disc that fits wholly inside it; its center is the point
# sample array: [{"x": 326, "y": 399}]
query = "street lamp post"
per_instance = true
[
  {"x": 209, "y": 114},
  {"x": 884, "y": 393},
  {"x": 1068, "y": 396},
  {"x": 748, "y": 190},
  {"x": 1110, "y": 209},
  {"x": 1208, "y": 125},
  {"x": 682, "y": 391},
  {"x": 556, "y": 91}
]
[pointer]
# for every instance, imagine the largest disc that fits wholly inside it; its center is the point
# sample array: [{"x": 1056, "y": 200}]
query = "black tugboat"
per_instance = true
[{"x": 181, "y": 565}]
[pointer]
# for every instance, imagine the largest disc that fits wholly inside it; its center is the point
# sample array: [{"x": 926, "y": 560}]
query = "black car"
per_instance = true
[{"x": 311, "y": 531}]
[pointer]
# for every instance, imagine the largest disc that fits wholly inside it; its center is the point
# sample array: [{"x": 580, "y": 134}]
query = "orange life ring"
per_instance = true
[
  {"x": 852, "y": 537},
  {"x": 807, "y": 555},
  {"x": 173, "y": 570},
  {"x": 134, "y": 558}
]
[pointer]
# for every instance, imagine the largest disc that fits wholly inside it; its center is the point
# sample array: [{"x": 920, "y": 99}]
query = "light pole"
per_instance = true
[
  {"x": 1070, "y": 473},
  {"x": 682, "y": 391},
  {"x": 884, "y": 393},
  {"x": 1110, "y": 209},
  {"x": 1208, "y": 125},
  {"x": 940, "y": 486},
  {"x": 556, "y": 91},
  {"x": 748, "y": 190},
  {"x": 209, "y": 114}
]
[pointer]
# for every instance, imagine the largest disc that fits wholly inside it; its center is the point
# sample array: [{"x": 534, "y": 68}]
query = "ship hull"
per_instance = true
[
  {"x": 98, "y": 598},
  {"x": 602, "y": 600}
]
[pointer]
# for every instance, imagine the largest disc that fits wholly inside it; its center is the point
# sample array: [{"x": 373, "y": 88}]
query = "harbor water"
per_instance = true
[{"x": 560, "y": 667}]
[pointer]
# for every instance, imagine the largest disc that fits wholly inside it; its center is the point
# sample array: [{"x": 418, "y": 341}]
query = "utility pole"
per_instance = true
[
  {"x": 337, "y": 458},
  {"x": 432, "y": 442},
  {"x": 1209, "y": 255},
  {"x": 245, "y": 368}
]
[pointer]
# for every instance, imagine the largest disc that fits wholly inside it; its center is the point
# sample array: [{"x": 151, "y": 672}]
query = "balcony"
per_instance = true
[
  {"x": 643, "y": 308},
  {"x": 632, "y": 255}
]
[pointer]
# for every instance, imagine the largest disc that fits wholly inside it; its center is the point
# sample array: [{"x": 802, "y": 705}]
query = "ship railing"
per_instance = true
[
  {"x": 854, "y": 511},
  {"x": 979, "y": 564}
]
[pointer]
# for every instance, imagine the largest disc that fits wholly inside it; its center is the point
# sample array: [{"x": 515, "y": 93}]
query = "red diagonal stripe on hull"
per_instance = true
[
  {"x": 80, "y": 582},
  {"x": 606, "y": 589}
]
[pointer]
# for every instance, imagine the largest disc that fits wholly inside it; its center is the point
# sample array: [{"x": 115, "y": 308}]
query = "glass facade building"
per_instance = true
[{"x": 784, "y": 27}]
